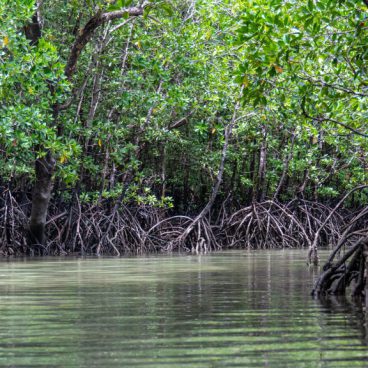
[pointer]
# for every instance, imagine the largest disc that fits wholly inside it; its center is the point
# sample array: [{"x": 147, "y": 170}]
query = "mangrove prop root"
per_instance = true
[
  {"x": 345, "y": 269},
  {"x": 104, "y": 228},
  {"x": 108, "y": 228}
]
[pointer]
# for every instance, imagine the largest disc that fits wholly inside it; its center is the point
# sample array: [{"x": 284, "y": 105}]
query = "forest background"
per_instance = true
[{"x": 133, "y": 126}]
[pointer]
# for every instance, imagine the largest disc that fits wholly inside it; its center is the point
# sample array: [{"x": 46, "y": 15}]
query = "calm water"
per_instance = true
[{"x": 233, "y": 309}]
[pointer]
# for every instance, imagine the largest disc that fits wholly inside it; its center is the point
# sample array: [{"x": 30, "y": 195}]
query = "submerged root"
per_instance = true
[
  {"x": 78, "y": 228},
  {"x": 313, "y": 215},
  {"x": 115, "y": 228},
  {"x": 13, "y": 218},
  {"x": 95, "y": 229},
  {"x": 264, "y": 225},
  {"x": 345, "y": 268},
  {"x": 179, "y": 233}
]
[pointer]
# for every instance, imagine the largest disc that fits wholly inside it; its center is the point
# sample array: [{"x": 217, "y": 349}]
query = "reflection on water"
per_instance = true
[{"x": 232, "y": 309}]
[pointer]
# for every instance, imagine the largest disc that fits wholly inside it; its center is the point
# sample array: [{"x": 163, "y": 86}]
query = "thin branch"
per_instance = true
[
  {"x": 323, "y": 119},
  {"x": 121, "y": 25},
  {"x": 86, "y": 33},
  {"x": 180, "y": 122},
  {"x": 321, "y": 83}
]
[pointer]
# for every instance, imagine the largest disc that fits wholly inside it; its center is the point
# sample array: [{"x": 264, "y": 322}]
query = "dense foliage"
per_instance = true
[
  {"x": 133, "y": 101},
  {"x": 306, "y": 68}
]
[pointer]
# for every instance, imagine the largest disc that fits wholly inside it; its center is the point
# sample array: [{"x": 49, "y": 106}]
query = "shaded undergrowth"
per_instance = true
[{"x": 115, "y": 229}]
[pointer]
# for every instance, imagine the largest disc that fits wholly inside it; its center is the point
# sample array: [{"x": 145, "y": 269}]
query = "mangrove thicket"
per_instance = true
[{"x": 134, "y": 126}]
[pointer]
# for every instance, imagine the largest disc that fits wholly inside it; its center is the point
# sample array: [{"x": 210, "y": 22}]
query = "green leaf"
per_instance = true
[{"x": 168, "y": 9}]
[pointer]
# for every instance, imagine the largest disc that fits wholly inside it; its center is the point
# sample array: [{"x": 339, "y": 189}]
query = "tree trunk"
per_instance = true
[
  {"x": 163, "y": 169},
  {"x": 251, "y": 193},
  {"x": 215, "y": 189},
  {"x": 365, "y": 253},
  {"x": 44, "y": 168},
  {"x": 285, "y": 168},
  {"x": 259, "y": 181},
  {"x": 262, "y": 166}
]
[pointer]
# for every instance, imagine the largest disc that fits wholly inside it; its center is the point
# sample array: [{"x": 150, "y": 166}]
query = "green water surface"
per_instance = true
[{"x": 228, "y": 309}]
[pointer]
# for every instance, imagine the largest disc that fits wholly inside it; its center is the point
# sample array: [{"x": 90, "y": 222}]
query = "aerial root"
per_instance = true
[
  {"x": 271, "y": 224},
  {"x": 13, "y": 237},
  {"x": 181, "y": 233},
  {"x": 74, "y": 227},
  {"x": 96, "y": 229},
  {"x": 346, "y": 267},
  {"x": 268, "y": 224},
  {"x": 115, "y": 228}
]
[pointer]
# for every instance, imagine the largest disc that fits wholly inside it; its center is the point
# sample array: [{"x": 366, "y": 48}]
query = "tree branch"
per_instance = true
[
  {"x": 321, "y": 83},
  {"x": 33, "y": 29},
  {"x": 323, "y": 119},
  {"x": 87, "y": 32},
  {"x": 180, "y": 122}
]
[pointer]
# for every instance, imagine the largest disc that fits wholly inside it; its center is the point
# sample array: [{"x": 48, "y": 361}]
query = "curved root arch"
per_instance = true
[
  {"x": 182, "y": 233},
  {"x": 346, "y": 268}
]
